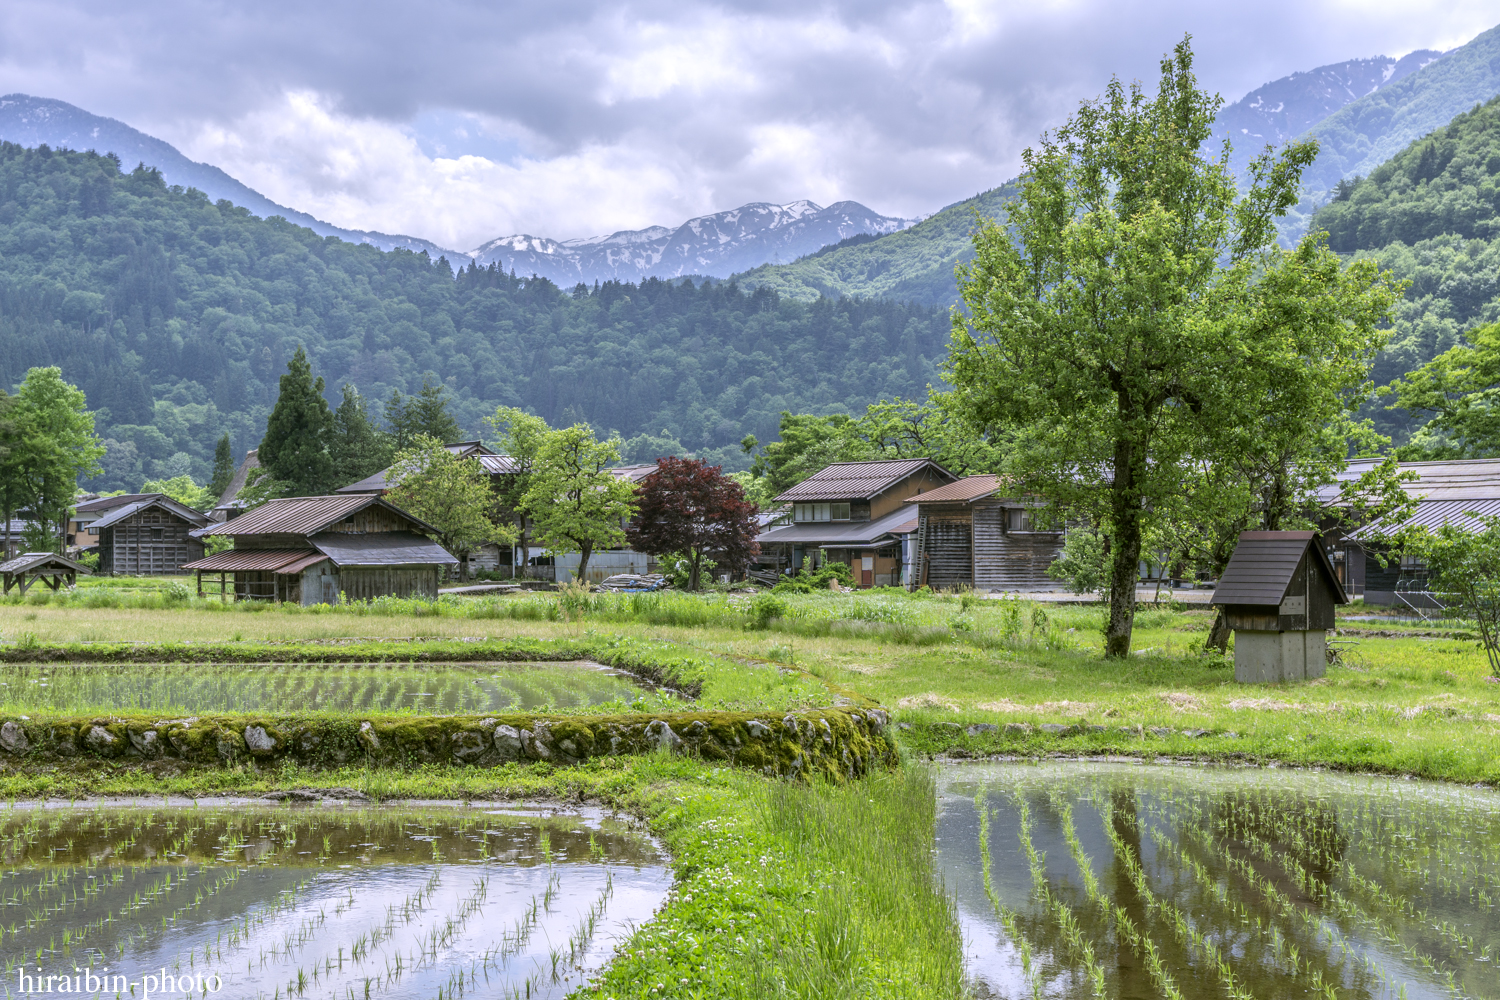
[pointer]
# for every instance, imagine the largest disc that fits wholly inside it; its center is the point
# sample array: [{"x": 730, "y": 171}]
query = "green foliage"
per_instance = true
[
  {"x": 766, "y": 607},
  {"x": 261, "y": 486},
  {"x": 295, "y": 448},
  {"x": 575, "y": 503},
  {"x": 223, "y": 468},
  {"x": 1463, "y": 565},
  {"x": 1133, "y": 323},
  {"x": 175, "y": 316},
  {"x": 805, "y": 582},
  {"x": 450, "y": 493},
  {"x": 47, "y": 441},
  {"x": 1084, "y": 563},
  {"x": 1443, "y": 184},
  {"x": 183, "y": 490},
  {"x": 423, "y": 415},
  {"x": 358, "y": 450}
]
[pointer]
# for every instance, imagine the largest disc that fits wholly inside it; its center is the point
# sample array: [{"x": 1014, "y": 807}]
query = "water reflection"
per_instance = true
[{"x": 1146, "y": 881}]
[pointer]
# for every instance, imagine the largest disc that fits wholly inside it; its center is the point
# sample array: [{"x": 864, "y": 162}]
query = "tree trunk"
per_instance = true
[
  {"x": 585, "y": 550},
  {"x": 1126, "y": 551},
  {"x": 693, "y": 574},
  {"x": 1218, "y": 635},
  {"x": 525, "y": 548}
]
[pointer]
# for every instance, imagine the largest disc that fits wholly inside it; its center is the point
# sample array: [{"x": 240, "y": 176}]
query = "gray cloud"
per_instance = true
[{"x": 637, "y": 113}]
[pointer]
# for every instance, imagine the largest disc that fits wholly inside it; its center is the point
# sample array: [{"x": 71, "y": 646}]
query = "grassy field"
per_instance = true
[{"x": 738, "y": 925}]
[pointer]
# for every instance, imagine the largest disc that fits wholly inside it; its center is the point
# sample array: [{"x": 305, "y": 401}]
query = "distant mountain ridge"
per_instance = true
[
  {"x": 33, "y": 121},
  {"x": 715, "y": 245}
]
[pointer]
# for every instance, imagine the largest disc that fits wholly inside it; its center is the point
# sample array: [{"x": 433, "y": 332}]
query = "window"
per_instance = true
[
  {"x": 156, "y": 534},
  {"x": 821, "y": 512},
  {"x": 1017, "y": 519}
]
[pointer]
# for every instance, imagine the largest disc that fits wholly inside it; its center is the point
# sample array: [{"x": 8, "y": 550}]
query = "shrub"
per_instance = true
[{"x": 766, "y": 607}]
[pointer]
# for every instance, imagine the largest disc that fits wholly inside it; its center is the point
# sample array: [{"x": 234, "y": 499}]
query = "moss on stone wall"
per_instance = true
[{"x": 838, "y": 743}]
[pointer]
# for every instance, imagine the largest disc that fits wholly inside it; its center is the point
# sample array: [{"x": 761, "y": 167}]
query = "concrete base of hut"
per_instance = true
[{"x": 1274, "y": 657}]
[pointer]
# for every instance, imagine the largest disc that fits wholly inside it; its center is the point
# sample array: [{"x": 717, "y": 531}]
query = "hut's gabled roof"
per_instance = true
[
  {"x": 33, "y": 560},
  {"x": 305, "y": 516},
  {"x": 1264, "y": 563},
  {"x": 966, "y": 490},
  {"x": 146, "y": 501}
]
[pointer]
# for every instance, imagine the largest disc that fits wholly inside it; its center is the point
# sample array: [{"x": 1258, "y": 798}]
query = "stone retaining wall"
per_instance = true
[{"x": 838, "y": 743}]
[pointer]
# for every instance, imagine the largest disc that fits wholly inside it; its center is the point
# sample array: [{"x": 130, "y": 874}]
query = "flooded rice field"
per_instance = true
[
  {"x": 247, "y": 900},
  {"x": 1082, "y": 880},
  {"x": 438, "y": 688}
]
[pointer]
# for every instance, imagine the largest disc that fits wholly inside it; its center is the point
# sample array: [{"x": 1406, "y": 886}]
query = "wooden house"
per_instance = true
[
  {"x": 141, "y": 534},
  {"x": 971, "y": 534},
  {"x": 853, "y": 513},
  {"x": 1278, "y": 593},
  {"x": 320, "y": 550}
]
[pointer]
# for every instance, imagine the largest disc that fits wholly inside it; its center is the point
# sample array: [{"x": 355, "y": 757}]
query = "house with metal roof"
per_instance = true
[
  {"x": 974, "y": 534},
  {"x": 141, "y": 534},
  {"x": 854, "y": 513},
  {"x": 321, "y": 550},
  {"x": 1455, "y": 492}
]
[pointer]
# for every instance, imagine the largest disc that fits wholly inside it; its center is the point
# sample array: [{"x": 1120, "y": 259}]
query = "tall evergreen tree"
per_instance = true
[
  {"x": 357, "y": 446},
  {"x": 223, "y": 468},
  {"x": 295, "y": 448},
  {"x": 426, "y": 413}
]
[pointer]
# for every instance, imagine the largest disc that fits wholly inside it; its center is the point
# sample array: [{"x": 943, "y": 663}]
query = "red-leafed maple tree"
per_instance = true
[{"x": 691, "y": 507}]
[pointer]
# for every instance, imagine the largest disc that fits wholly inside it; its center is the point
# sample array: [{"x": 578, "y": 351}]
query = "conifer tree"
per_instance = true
[
  {"x": 295, "y": 448},
  {"x": 357, "y": 447},
  {"x": 223, "y": 468},
  {"x": 426, "y": 413}
]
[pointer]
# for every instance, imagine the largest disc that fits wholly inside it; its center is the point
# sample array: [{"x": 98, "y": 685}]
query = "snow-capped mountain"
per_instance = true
[
  {"x": 715, "y": 245},
  {"x": 1286, "y": 108},
  {"x": 32, "y": 121}
]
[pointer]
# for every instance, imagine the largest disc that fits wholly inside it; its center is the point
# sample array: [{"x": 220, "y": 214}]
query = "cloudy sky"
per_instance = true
[{"x": 461, "y": 121}]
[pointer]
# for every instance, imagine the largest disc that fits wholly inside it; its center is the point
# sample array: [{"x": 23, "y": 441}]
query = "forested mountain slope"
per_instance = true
[
  {"x": 177, "y": 317},
  {"x": 915, "y": 264},
  {"x": 36, "y": 121},
  {"x": 1431, "y": 214}
]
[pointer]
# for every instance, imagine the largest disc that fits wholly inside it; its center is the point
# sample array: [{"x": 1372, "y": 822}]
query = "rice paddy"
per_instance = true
[
  {"x": 446, "y": 688},
  {"x": 246, "y": 900},
  {"x": 1119, "y": 880}
]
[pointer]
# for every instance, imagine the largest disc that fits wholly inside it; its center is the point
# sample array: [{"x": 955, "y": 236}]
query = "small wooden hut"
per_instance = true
[
  {"x": 49, "y": 567},
  {"x": 142, "y": 534},
  {"x": 1279, "y": 592}
]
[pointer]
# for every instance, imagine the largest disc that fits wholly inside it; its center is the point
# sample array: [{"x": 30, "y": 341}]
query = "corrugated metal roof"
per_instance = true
[
  {"x": 495, "y": 465},
  {"x": 369, "y": 484},
  {"x": 301, "y": 515},
  {"x": 253, "y": 559},
  {"x": 166, "y": 503},
  {"x": 311, "y": 559},
  {"x": 837, "y": 533},
  {"x": 1454, "y": 479},
  {"x": 382, "y": 548},
  {"x": 633, "y": 473},
  {"x": 966, "y": 489},
  {"x": 857, "y": 480},
  {"x": 1263, "y": 564},
  {"x": 109, "y": 503},
  {"x": 1433, "y": 514},
  {"x": 31, "y": 560}
]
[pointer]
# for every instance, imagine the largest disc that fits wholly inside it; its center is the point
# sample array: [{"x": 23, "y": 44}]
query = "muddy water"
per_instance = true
[
  {"x": 1147, "y": 881},
  {"x": 317, "y": 901}
]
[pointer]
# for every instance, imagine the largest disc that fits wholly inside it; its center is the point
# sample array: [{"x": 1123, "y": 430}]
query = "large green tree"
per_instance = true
[
  {"x": 1458, "y": 393},
  {"x": 1133, "y": 318},
  {"x": 576, "y": 504},
  {"x": 295, "y": 448},
  {"x": 521, "y": 436},
  {"x": 450, "y": 493},
  {"x": 223, "y": 467},
  {"x": 47, "y": 441}
]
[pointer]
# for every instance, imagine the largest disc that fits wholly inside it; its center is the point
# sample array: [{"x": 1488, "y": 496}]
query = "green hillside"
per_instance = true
[
  {"x": 914, "y": 265},
  {"x": 1431, "y": 214},
  {"x": 1364, "y": 134},
  {"x": 177, "y": 316}
]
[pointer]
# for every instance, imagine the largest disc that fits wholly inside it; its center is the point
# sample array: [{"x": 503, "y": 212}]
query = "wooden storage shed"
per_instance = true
[
  {"x": 319, "y": 550},
  {"x": 147, "y": 534},
  {"x": 970, "y": 534},
  {"x": 1278, "y": 593}
]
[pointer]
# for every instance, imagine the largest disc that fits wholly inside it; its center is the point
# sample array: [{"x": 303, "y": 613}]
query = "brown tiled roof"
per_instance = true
[
  {"x": 254, "y": 559},
  {"x": 301, "y": 515},
  {"x": 857, "y": 480},
  {"x": 966, "y": 489}
]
